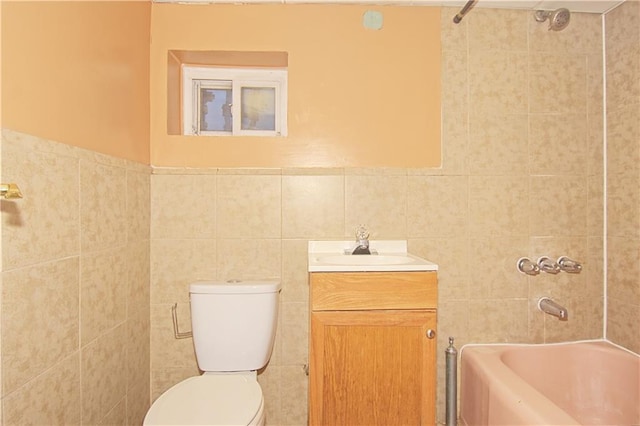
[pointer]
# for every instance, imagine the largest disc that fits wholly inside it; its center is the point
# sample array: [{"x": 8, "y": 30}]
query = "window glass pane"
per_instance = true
[
  {"x": 258, "y": 108},
  {"x": 215, "y": 109}
]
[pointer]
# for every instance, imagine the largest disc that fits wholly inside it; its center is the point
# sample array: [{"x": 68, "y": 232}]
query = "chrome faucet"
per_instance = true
[
  {"x": 362, "y": 241},
  {"x": 550, "y": 307}
]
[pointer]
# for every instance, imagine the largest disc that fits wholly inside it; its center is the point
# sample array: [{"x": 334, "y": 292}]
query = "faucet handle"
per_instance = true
[
  {"x": 547, "y": 265},
  {"x": 526, "y": 266},
  {"x": 569, "y": 265},
  {"x": 362, "y": 233}
]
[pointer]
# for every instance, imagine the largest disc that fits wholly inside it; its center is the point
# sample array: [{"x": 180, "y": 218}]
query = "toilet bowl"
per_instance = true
[
  {"x": 210, "y": 399},
  {"x": 233, "y": 325}
]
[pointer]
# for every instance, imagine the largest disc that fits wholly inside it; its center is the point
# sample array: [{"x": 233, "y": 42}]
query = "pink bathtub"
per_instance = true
[{"x": 582, "y": 383}]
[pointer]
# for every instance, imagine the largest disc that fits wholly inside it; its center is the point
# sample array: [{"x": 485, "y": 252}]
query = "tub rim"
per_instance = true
[{"x": 571, "y": 342}]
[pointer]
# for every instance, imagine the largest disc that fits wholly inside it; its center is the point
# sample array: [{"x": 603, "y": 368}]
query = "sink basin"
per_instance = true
[
  {"x": 392, "y": 256},
  {"x": 365, "y": 259}
]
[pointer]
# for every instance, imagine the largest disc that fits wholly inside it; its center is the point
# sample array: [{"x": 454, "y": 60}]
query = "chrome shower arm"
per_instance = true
[{"x": 463, "y": 11}]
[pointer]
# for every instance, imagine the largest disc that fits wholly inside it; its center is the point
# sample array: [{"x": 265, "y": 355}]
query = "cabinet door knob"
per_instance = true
[{"x": 431, "y": 334}]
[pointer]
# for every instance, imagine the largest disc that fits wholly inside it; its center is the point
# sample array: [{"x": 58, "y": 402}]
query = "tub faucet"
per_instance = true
[
  {"x": 362, "y": 241},
  {"x": 550, "y": 307}
]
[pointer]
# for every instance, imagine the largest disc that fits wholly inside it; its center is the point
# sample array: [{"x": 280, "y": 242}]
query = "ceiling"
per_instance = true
[{"x": 588, "y": 6}]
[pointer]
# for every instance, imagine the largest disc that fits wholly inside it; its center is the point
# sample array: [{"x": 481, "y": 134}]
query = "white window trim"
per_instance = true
[{"x": 240, "y": 77}]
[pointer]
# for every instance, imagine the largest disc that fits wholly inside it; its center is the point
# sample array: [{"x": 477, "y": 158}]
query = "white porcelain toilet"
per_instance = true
[{"x": 234, "y": 327}]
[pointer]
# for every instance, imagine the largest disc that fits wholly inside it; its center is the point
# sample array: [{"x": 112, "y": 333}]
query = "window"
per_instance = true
[{"x": 234, "y": 101}]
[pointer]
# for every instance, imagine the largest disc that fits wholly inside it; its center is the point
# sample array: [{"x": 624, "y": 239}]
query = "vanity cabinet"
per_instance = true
[{"x": 372, "y": 354}]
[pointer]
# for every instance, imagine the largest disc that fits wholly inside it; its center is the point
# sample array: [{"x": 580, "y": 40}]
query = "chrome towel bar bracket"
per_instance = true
[{"x": 9, "y": 191}]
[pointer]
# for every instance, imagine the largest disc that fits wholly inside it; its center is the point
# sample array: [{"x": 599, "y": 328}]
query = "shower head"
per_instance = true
[{"x": 558, "y": 19}]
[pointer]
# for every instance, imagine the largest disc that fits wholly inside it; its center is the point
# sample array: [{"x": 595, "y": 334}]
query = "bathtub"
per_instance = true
[{"x": 581, "y": 383}]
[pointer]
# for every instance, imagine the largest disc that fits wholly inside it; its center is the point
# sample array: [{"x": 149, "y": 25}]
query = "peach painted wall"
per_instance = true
[
  {"x": 357, "y": 96},
  {"x": 78, "y": 73}
]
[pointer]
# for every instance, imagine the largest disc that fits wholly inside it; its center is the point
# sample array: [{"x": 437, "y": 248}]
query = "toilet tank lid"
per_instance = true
[{"x": 234, "y": 287}]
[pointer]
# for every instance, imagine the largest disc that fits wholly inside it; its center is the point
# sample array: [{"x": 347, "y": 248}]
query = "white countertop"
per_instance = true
[{"x": 389, "y": 256}]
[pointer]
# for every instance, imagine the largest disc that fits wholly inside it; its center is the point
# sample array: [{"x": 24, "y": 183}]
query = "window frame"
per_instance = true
[{"x": 275, "y": 78}]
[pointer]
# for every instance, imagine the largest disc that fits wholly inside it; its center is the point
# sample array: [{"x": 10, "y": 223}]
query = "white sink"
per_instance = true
[
  {"x": 335, "y": 256},
  {"x": 364, "y": 259}
]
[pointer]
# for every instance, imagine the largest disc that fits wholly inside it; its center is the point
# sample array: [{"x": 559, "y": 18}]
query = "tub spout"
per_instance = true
[{"x": 550, "y": 307}]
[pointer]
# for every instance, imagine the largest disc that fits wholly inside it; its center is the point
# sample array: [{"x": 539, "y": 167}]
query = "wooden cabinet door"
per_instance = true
[{"x": 372, "y": 368}]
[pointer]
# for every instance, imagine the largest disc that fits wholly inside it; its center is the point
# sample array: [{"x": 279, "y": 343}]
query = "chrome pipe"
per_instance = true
[
  {"x": 451, "y": 374},
  {"x": 463, "y": 11}
]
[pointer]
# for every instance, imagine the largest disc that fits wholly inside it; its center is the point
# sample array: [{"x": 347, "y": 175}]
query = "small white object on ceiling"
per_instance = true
[{"x": 372, "y": 19}]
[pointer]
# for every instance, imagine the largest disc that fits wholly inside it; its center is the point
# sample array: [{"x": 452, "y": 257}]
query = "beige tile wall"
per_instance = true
[
  {"x": 522, "y": 176},
  {"x": 623, "y": 174},
  {"x": 75, "y": 286}
]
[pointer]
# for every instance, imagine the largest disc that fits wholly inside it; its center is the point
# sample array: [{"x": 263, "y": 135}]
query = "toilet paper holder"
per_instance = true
[{"x": 176, "y": 329}]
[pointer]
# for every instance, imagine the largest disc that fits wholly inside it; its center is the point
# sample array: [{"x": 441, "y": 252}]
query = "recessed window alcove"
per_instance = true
[
  {"x": 359, "y": 94},
  {"x": 197, "y": 82}
]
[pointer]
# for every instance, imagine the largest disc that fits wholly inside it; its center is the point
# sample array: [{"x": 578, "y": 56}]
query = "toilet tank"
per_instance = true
[{"x": 233, "y": 323}]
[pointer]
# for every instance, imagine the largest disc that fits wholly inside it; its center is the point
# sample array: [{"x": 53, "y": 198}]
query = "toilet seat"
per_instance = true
[{"x": 210, "y": 399}]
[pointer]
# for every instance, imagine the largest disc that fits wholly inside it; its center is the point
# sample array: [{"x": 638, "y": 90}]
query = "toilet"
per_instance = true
[{"x": 234, "y": 327}]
